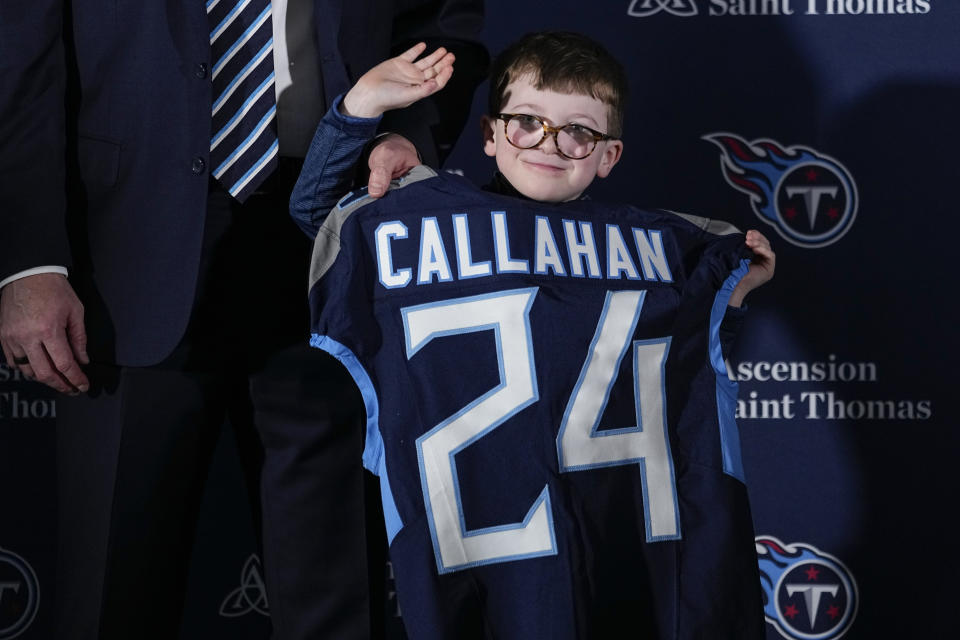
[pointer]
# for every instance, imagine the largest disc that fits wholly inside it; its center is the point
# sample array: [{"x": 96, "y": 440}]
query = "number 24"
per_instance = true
[{"x": 580, "y": 445}]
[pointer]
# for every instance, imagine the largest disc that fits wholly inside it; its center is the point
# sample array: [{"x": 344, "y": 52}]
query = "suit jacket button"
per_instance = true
[
  {"x": 200, "y": 70},
  {"x": 198, "y": 165}
]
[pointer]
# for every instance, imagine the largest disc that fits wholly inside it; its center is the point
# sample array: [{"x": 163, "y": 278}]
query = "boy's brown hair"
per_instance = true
[{"x": 564, "y": 62}]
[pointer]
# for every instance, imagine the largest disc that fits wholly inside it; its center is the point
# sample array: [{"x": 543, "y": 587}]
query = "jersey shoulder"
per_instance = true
[{"x": 421, "y": 185}]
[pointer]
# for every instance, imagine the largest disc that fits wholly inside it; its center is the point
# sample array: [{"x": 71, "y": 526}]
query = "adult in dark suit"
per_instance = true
[{"x": 184, "y": 307}]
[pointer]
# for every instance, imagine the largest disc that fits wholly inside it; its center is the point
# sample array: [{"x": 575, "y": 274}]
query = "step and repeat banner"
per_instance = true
[{"x": 829, "y": 125}]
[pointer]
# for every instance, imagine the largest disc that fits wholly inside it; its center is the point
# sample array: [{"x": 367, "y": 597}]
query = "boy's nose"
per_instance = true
[{"x": 549, "y": 145}]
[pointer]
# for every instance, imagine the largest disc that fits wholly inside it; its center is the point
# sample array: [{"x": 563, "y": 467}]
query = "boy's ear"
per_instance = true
[
  {"x": 611, "y": 156},
  {"x": 489, "y": 128}
]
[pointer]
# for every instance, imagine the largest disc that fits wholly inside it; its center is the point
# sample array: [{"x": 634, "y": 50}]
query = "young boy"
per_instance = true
[
  {"x": 553, "y": 430},
  {"x": 567, "y": 73}
]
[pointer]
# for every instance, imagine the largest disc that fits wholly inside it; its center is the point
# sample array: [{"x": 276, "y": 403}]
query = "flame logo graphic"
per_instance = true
[
  {"x": 807, "y": 196},
  {"x": 808, "y": 594}
]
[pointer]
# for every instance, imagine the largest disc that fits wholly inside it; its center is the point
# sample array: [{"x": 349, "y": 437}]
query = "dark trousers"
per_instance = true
[{"x": 133, "y": 453}]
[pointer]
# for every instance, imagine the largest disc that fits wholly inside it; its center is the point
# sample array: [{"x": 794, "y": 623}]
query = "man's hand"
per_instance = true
[
  {"x": 392, "y": 157},
  {"x": 762, "y": 266},
  {"x": 399, "y": 82},
  {"x": 42, "y": 333}
]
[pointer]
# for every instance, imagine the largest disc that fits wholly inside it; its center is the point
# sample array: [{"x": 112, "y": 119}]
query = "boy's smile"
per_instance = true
[{"x": 542, "y": 173}]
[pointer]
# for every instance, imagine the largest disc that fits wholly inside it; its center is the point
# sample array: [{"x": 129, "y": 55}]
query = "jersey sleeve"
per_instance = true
[
  {"x": 344, "y": 316},
  {"x": 730, "y": 328},
  {"x": 724, "y": 263},
  {"x": 341, "y": 310}
]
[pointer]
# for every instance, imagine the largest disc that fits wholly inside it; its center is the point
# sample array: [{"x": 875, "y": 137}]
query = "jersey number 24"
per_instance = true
[{"x": 581, "y": 444}]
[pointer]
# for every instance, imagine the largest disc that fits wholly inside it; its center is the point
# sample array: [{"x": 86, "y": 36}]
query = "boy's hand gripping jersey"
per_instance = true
[{"x": 548, "y": 411}]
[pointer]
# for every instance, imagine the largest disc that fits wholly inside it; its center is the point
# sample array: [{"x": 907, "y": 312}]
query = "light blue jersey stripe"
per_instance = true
[
  {"x": 374, "y": 455},
  {"x": 726, "y": 389}
]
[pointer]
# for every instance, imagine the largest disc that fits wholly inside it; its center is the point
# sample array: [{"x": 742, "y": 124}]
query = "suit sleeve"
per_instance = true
[
  {"x": 32, "y": 136},
  {"x": 435, "y": 123}
]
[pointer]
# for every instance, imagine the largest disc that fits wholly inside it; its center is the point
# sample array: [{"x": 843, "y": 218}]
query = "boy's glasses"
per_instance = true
[{"x": 573, "y": 141}]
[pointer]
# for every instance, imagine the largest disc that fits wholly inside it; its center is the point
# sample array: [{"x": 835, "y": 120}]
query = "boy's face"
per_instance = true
[{"x": 542, "y": 173}]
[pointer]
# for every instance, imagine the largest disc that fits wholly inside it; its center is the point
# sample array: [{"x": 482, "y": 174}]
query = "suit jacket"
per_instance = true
[{"x": 105, "y": 134}]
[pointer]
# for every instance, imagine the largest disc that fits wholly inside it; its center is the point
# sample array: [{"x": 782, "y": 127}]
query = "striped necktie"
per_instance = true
[{"x": 243, "y": 149}]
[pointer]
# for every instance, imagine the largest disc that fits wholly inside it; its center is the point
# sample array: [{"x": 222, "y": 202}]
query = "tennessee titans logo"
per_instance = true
[
  {"x": 19, "y": 594},
  {"x": 808, "y": 594},
  {"x": 251, "y": 595},
  {"x": 807, "y": 196},
  {"x": 644, "y": 8}
]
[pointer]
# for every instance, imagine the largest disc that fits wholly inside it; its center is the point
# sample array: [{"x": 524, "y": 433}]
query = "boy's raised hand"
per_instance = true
[
  {"x": 761, "y": 270},
  {"x": 399, "y": 82}
]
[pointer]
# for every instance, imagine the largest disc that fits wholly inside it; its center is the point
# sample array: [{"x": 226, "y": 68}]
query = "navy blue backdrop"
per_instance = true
[{"x": 831, "y": 126}]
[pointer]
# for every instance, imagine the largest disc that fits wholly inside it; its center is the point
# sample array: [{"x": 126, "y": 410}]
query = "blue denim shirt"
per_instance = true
[{"x": 328, "y": 168}]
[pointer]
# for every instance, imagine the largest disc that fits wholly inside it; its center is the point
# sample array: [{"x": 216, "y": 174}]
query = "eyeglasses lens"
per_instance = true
[
  {"x": 573, "y": 142},
  {"x": 524, "y": 131}
]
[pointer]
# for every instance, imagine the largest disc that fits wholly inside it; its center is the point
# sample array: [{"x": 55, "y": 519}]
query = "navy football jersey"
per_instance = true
[{"x": 547, "y": 409}]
